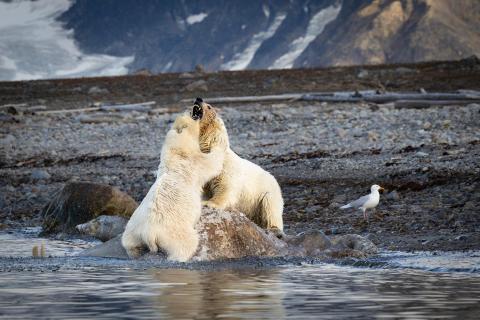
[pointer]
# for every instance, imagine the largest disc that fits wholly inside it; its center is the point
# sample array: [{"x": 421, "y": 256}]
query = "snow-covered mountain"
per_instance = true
[
  {"x": 67, "y": 38},
  {"x": 35, "y": 45}
]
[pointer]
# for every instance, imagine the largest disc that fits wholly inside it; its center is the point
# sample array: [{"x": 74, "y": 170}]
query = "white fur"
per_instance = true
[
  {"x": 167, "y": 216},
  {"x": 243, "y": 185}
]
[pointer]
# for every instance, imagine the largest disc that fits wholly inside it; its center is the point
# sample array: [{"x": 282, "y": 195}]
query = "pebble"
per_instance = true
[
  {"x": 38, "y": 174},
  {"x": 97, "y": 90},
  {"x": 362, "y": 74},
  {"x": 392, "y": 195},
  {"x": 427, "y": 126},
  {"x": 421, "y": 154}
]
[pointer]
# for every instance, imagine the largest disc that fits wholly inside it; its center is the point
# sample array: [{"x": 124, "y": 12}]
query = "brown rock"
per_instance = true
[
  {"x": 80, "y": 202},
  {"x": 225, "y": 235}
]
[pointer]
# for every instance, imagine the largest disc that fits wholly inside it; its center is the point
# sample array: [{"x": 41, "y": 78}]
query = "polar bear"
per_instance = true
[
  {"x": 167, "y": 216},
  {"x": 242, "y": 185}
]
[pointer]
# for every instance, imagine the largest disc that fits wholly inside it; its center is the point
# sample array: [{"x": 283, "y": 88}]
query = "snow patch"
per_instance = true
[
  {"x": 315, "y": 27},
  {"x": 241, "y": 60},
  {"x": 266, "y": 11},
  {"x": 33, "y": 45},
  {"x": 196, "y": 18},
  {"x": 167, "y": 67}
]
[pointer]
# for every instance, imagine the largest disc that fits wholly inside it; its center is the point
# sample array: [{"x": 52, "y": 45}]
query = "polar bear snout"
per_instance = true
[{"x": 197, "y": 111}]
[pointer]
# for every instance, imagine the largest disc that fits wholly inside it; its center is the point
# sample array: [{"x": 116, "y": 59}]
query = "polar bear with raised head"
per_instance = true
[
  {"x": 242, "y": 185},
  {"x": 167, "y": 216}
]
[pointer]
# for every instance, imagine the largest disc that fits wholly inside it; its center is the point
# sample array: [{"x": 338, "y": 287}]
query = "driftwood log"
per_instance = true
[{"x": 424, "y": 99}]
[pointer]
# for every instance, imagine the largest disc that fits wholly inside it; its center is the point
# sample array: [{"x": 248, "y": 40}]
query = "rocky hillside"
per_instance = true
[{"x": 397, "y": 31}]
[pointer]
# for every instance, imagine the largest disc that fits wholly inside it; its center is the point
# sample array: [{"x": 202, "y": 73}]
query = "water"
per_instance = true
[
  {"x": 313, "y": 291},
  {"x": 401, "y": 285}
]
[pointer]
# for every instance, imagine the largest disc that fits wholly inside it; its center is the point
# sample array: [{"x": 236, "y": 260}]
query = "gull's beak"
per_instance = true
[{"x": 381, "y": 189}]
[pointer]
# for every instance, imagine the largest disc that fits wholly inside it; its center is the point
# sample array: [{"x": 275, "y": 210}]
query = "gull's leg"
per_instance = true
[{"x": 365, "y": 216}]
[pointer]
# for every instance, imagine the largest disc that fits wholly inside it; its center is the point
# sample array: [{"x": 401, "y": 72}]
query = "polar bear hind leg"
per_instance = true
[{"x": 270, "y": 210}]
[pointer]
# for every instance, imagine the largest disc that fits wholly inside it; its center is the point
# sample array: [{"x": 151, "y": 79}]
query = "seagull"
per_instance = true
[{"x": 370, "y": 201}]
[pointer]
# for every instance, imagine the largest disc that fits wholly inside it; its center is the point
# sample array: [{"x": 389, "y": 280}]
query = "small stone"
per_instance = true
[
  {"x": 421, "y": 154},
  {"x": 38, "y": 174},
  {"x": 362, "y": 74},
  {"x": 461, "y": 238},
  {"x": 341, "y": 132},
  {"x": 372, "y": 136},
  {"x": 392, "y": 195},
  {"x": 427, "y": 126},
  {"x": 97, "y": 90},
  {"x": 357, "y": 132}
]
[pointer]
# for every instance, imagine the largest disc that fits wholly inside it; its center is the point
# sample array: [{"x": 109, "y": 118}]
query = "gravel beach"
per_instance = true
[{"x": 323, "y": 155}]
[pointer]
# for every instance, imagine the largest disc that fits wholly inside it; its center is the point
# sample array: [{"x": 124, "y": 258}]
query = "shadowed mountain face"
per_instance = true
[{"x": 167, "y": 36}]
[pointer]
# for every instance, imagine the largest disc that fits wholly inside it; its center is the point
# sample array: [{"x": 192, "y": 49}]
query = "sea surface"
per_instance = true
[{"x": 395, "y": 285}]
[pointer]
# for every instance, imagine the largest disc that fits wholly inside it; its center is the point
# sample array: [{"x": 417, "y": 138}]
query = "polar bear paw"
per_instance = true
[
  {"x": 210, "y": 204},
  {"x": 277, "y": 233}
]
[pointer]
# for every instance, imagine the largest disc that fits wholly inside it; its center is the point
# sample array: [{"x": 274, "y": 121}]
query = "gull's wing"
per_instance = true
[{"x": 359, "y": 202}]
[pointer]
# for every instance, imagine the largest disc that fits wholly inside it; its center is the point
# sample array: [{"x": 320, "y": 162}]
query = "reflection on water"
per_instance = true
[
  {"x": 19, "y": 243},
  {"x": 319, "y": 291}
]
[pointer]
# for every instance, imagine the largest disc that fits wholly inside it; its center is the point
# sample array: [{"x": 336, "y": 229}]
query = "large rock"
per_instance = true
[
  {"x": 79, "y": 202},
  {"x": 223, "y": 235},
  {"x": 351, "y": 245},
  {"x": 226, "y": 234},
  {"x": 229, "y": 235},
  {"x": 310, "y": 243}
]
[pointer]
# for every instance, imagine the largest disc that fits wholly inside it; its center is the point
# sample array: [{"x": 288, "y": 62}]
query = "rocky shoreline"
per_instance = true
[{"x": 323, "y": 154}]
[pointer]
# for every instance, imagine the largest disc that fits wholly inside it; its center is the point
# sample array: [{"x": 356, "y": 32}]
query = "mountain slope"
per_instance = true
[
  {"x": 72, "y": 38},
  {"x": 397, "y": 31}
]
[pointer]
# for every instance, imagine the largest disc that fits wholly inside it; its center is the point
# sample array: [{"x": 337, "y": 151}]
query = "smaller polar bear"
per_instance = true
[
  {"x": 167, "y": 216},
  {"x": 242, "y": 185}
]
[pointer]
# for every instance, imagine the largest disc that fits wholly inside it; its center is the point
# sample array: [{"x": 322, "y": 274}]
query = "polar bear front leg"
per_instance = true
[
  {"x": 132, "y": 244},
  {"x": 181, "y": 244},
  {"x": 222, "y": 197}
]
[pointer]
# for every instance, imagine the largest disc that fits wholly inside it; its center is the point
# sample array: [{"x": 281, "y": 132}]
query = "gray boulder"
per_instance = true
[{"x": 103, "y": 228}]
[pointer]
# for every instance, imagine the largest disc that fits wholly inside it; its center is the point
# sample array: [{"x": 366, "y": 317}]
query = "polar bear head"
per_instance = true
[
  {"x": 212, "y": 129},
  {"x": 183, "y": 136}
]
